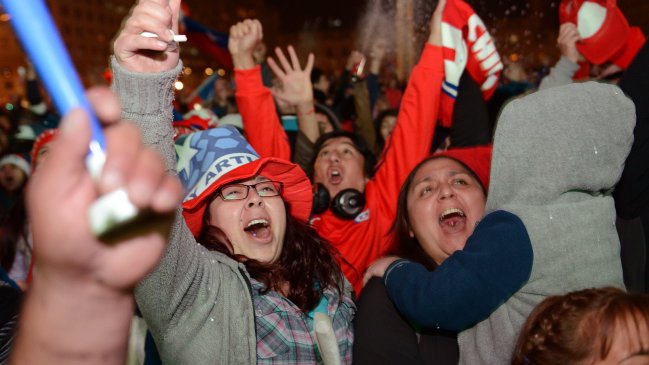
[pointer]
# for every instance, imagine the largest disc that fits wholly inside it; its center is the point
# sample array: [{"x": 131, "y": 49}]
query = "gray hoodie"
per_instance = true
[{"x": 558, "y": 154}]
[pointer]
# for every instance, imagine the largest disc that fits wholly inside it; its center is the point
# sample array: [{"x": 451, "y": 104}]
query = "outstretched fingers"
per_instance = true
[
  {"x": 294, "y": 60},
  {"x": 309, "y": 65},
  {"x": 282, "y": 59},
  {"x": 276, "y": 69}
]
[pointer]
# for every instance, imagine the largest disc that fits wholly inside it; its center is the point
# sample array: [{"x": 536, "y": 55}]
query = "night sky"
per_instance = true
[
  {"x": 533, "y": 23},
  {"x": 297, "y": 13}
]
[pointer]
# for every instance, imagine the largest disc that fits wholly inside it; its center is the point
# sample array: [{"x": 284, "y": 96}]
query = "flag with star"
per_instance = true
[
  {"x": 208, "y": 41},
  {"x": 204, "y": 157}
]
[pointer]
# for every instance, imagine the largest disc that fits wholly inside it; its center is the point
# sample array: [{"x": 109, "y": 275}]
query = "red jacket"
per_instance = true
[{"x": 363, "y": 240}]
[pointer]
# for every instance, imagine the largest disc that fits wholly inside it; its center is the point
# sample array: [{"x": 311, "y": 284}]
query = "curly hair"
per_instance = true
[
  {"x": 306, "y": 260},
  {"x": 580, "y": 327}
]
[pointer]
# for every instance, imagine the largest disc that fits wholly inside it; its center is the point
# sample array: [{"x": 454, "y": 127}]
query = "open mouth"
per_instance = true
[
  {"x": 453, "y": 219},
  {"x": 7, "y": 182},
  {"x": 335, "y": 176},
  {"x": 258, "y": 228}
]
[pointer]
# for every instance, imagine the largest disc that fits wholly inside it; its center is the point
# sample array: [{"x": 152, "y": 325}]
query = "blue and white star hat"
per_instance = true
[{"x": 210, "y": 159}]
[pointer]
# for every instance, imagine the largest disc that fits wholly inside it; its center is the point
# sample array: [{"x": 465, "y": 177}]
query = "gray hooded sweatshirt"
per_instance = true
[{"x": 557, "y": 156}]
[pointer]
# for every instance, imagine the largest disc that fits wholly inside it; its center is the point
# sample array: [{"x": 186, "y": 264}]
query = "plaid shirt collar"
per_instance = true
[{"x": 285, "y": 334}]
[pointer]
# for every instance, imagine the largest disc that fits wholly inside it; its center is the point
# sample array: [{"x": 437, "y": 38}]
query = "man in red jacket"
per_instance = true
[{"x": 339, "y": 159}]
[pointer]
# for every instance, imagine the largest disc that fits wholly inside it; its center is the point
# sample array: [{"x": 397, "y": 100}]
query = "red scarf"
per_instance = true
[{"x": 467, "y": 44}]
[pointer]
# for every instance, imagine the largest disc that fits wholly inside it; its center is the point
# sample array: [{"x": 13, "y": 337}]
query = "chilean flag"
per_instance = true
[
  {"x": 208, "y": 41},
  {"x": 467, "y": 45},
  {"x": 203, "y": 93}
]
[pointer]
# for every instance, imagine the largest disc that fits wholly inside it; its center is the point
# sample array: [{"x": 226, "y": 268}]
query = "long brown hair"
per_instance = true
[
  {"x": 307, "y": 263},
  {"x": 580, "y": 326}
]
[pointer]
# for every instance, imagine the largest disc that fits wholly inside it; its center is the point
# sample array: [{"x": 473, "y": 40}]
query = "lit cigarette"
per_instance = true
[{"x": 176, "y": 37}]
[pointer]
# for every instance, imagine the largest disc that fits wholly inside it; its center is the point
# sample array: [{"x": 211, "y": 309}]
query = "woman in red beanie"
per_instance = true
[{"x": 451, "y": 185}]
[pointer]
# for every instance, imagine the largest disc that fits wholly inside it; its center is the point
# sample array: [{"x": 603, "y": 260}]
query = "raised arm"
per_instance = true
[
  {"x": 364, "y": 125},
  {"x": 80, "y": 305},
  {"x": 413, "y": 133},
  {"x": 260, "y": 121},
  {"x": 564, "y": 70},
  {"x": 144, "y": 73}
]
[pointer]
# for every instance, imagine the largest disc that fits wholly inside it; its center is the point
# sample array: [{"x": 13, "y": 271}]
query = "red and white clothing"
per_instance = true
[
  {"x": 467, "y": 45},
  {"x": 366, "y": 238}
]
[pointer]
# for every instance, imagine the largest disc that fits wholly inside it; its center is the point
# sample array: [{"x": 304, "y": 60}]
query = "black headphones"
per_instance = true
[{"x": 347, "y": 204}]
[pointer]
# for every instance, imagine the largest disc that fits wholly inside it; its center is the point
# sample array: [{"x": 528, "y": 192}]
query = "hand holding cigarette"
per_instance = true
[
  {"x": 175, "y": 37},
  {"x": 147, "y": 41}
]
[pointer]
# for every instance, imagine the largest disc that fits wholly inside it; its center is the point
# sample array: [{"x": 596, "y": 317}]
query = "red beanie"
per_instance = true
[{"x": 477, "y": 159}]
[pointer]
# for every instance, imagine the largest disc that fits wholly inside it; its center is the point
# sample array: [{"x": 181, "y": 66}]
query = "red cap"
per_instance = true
[
  {"x": 41, "y": 141},
  {"x": 634, "y": 42},
  {"x": 297, "y": 189},
  {"x": 606, "y": 35},
  {"x": 477, "y": 159}
]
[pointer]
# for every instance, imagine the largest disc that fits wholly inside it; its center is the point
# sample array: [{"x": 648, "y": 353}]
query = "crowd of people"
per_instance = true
[{"x": 437, "y": 222}]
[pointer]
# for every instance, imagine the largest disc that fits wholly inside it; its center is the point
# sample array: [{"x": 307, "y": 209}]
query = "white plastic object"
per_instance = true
[
  {"x": 110, "y": 211},
  {"x": 326, "y": 338},
  {"x": 176, "y": 37}
]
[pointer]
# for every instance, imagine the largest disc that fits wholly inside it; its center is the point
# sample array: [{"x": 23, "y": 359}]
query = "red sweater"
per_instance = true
[{"x": 363, "y": 240}]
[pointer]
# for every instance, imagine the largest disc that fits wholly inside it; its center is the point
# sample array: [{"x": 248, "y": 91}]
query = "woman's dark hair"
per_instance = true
[
  {"x": 380, "y": 141},
  {"x": 580, "y": 327},
  {"x": 406, "y": 246},
  {"x": 316, "y": 73},
  {"x": 359, "y": 144},
  {"x": 331, "y": 116},
  {"x": 13, "y": 227},
  {"x": 307, "y": 262}
]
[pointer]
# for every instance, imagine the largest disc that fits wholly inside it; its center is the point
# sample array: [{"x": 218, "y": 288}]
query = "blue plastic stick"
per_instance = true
[
  {"x": 36, "y": 31},
  {"x": 40, "y": 38}
]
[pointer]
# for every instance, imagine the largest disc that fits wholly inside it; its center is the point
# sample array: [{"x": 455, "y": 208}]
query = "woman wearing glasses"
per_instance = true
[
  {"x": 244, "y": 276},
  {"x": 249, "y": 292}
]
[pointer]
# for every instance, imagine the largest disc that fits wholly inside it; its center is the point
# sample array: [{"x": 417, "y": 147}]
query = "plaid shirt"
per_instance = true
[{"x": 285, "y": 334}]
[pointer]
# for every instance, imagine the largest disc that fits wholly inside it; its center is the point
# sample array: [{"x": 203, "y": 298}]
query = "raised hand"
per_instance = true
[
  {"x": 244, "y": 38},
  {"x": 142, "y": 54},
  {"x": 296, "y": 88},
  {"x": 378, "y": 268},
  {"x": 61, "y": 191},
  {"x": 354, "y": 58},
  {"x": 567, "y": 41}
]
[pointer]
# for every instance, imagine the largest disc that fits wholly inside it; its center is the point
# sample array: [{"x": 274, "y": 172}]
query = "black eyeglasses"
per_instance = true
[{"x": 264, "y": 189}]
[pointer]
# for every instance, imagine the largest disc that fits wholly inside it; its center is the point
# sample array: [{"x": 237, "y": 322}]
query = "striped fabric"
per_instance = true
[
  {"x": 7, "y": 337},
  {"x": 285, "y": 334}
]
